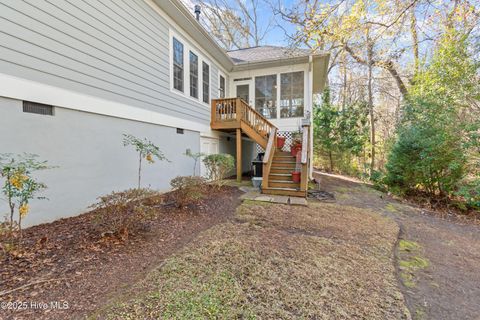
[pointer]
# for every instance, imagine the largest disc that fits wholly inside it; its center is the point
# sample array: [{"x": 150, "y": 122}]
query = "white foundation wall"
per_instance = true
[{"x": 89, "y": 156}]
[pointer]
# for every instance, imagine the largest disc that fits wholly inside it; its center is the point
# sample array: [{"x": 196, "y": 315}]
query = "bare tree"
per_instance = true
[{"x": 235, "y": 24}]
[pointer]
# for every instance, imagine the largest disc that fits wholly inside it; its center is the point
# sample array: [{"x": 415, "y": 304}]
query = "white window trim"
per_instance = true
[
  {"x": 279, "y": 94},
  {"x": 187, "y": 47},
  {"x": 221, "y": 74},
  {"x": 198, "y": 76},
  {"x": 209, "y": 82},
  {"x": 277, "y": 70},
  {"x": 171, "y": 64}
]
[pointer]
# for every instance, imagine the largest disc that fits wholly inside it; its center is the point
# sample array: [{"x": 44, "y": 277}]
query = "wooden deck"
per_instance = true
[{"x": 235, "y": 115}]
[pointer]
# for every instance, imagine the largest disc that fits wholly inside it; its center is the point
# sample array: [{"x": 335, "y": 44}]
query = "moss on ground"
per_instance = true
[
  {"x": 405, "y": 245},
  {"x": 410, "y": 261}
]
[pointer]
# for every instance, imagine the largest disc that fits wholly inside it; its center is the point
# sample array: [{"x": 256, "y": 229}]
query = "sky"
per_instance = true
[{"x": 276, "y": 35}]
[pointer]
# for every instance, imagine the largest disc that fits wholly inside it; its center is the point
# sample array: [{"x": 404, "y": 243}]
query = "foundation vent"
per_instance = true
[{"x": 38, "y": 108}]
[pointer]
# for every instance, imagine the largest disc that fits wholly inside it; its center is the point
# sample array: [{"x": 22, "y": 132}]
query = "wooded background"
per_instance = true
[{"x": 402, "y": 104}]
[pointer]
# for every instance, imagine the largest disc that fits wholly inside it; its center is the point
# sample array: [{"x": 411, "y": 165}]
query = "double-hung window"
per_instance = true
[
  {"x": 177, "y": 65},
  {"x": 221, "y": 89},
  {"x": 292, "y": 94},
  {"x": 193, "y": 75},
  {"x": 206, "y": 82}
]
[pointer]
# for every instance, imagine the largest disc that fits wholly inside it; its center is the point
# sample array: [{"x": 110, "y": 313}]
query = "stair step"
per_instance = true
[
  {"x": 284, "y": 192},
  {"x": 284, "y": 184},
  {"x": 283, "y": 158},
  {"x": 282, "y": 153},
  {"x": 279, "y": 176},
  {"x": 281, "y": 170},
  {"x": 283, "y": 164}
]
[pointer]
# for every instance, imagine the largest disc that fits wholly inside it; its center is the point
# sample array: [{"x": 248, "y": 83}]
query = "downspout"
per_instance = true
[{"x": 310, "y": 107}]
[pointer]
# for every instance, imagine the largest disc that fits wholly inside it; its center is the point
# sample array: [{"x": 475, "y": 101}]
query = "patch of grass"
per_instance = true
[
  {"x": 414, "y": 263},
  {"x": 329, "y": 261},
  {"x": 407, "y": 279},
  {"x": 420, "y": 313},
  {"x": 391, "y": 208},
  {"x": 405, "y": 245},
  {"x": 410, "y": 261}
]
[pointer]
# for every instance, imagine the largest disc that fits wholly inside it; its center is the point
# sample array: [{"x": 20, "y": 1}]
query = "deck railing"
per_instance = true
[
  {"x": 305, "y": 158},
  {"x": 230, "y": 112}
]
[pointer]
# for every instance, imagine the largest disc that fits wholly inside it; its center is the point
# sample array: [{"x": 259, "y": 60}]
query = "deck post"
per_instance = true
[{"x": 239, "y": 155}]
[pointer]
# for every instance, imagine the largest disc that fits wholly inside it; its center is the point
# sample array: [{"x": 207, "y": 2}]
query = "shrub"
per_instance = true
[
  {"x": 188, "y": 190},
  {"x": 218, "y": 166},
  {"x": 121, "y": 213},
  {"x": 20, "y": 187},
  {"x": 146, "y": 149},
  {"x": 426, "y": 157},
  {"x": 470, "y": 192}
]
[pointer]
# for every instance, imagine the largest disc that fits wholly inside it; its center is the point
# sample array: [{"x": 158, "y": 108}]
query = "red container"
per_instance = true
[
  {"x": 296, "y": 176},
  {"x": 280, "y": 142},
  {"x": 294, "y": 149}
]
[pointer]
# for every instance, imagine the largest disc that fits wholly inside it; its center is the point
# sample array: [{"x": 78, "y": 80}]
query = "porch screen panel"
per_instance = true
[
  {"x": 292, "y": 98},
  {"x": 266, "y": 95}
]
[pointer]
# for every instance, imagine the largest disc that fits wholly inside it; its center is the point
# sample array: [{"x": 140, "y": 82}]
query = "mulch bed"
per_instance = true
[{"x": 68, "y": 262}]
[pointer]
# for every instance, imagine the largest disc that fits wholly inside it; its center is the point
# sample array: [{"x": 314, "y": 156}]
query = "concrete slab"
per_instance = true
[
  {"x": 264, "y": 199},
  {"x": 280, "y": 199},
  {"x": 298, "y": 201},
  {"x": 257, "y": 196}
]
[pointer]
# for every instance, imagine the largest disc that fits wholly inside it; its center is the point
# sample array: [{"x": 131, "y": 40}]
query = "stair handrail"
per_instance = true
[
  {"x": 305, "y": 155},
  {"x": 255, "y": 120},
  {"x": 268, "y": 157}
]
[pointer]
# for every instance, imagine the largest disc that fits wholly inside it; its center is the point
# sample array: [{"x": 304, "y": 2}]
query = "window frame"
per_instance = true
[
  {"x": 204, "y": 63},
  {"x": 273, "y": 96},
  {"x": 191, "y": 53},
  {"x": 220, "y": 76},
  {"x": 191, "y": 45},
  {"x": 290, "y": 94},
  {"x": 174, "y": 64}
]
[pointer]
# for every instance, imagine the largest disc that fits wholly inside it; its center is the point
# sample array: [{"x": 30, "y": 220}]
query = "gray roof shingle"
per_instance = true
[{"x": 263, "y": 53}]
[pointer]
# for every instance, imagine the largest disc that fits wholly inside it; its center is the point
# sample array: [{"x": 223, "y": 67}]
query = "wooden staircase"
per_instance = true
[{"x": 234, "y": 114}]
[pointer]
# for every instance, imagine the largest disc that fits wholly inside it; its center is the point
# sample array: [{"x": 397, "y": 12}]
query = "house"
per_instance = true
[{"x": 76, "y": 75}]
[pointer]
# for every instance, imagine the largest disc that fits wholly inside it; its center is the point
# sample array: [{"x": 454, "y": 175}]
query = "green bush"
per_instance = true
[
  {"x": 218, "y": 166},
  {"x": 470, "y": 192},
  {"x": 188, "y": 190},
  {"x": 121, "y": 213},
  {"x": 425, "y": 157}
]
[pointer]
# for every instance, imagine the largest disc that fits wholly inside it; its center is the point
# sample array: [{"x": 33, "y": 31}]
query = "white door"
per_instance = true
[
  {"x": 244, "y": 90},
  {"x": 207, "y": 146}
]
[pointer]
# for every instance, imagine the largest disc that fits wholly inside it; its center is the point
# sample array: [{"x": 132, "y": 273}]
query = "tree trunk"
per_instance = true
[
  {"x": 370, "y": 102},
  {"x": 413, "y": 31},
  {"x": 344, "y": 94},
  {"x": 331, "y": 160}
]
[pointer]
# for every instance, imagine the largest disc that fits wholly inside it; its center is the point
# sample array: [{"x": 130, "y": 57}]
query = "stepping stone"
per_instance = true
[
  {"x": 298, "y": 201},
  {"x": 264, "y": 199},
  {"x": 280, "y": 199}
]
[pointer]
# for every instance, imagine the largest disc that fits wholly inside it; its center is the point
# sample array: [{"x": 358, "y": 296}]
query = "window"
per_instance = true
[
  {"x": 206, "y": 82},
  {"x": 177, "y": 65},
  {"x": 266, "y": 95},
  {"x": 179, "y": 131},
  {"x": 291, "y": 95},
  {"x": 38, "y": 108},
  {"x": 193, "y": 75},
  {"x": 221, "y": 90}
]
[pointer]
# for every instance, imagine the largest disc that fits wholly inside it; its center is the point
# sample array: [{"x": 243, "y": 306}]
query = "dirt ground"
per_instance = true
[
  {"x": 274, "y": 261},
  {"x": 68, "y": 263},
  {"x": 438, "y": 259}
]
